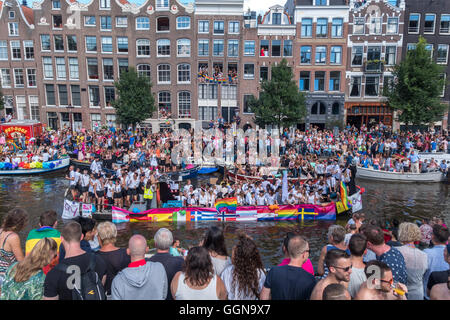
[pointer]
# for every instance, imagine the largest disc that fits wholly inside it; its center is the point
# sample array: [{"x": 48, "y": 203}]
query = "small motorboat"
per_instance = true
[
  {"x": 7, "y": 169},
  {"x": 380, "y": 175}
]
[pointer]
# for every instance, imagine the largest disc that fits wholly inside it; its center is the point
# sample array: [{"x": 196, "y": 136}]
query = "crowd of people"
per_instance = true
[{"x": 362, "y": 261}]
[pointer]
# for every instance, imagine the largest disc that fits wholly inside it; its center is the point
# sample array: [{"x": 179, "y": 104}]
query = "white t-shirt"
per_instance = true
[{"x": 233, "y": 292}]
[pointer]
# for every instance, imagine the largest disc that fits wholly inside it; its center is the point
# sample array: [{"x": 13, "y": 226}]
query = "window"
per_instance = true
[
  {"x": 13, "y": 28},
  {"x": 388, "y": 83},
  {"x": 318, "y": 107},
  {"x": 276, "y": 18},
  {"x": 335, "y": 81},
  {"x": 336, "y": 27},
  {"x": 413, "y": 25},
  {"x": 442, "y": 54},
  {"x": 34, "y": 108},
  {"x": 162, "y": 4},
  {"x": 56, "y": 4},
  {"x": 57, "y": 21},
  {"x": 96, "y": 121},
  {"x": 445, "y": 24},
  {"x": 48, "y": 67},
  {"x": 203, "y": 91},
  {"x": 60, "y": 68},
  {"x": 429, "y": 48},
  {"x": 320, "y": 2},
  {"x": 16, "y": 52},
  {"x": 233, "y": 27},
  {"x": 203, "y": 26},
  {"x": 72, "y": 43},
  {"x": 76, "y": 98},
  {"x": 123, "y": 65},
  {"x": 92, "y": 68},
  {"x": 162, "y": 24},
  {"x": 263, "y": 73},
  {"x": 444, "y": 76},
  {"x": 31, "y": 77},
  {"x": 319, "y": 81},
  {"x": 108, "y": 69},
  {"x": 233, "y": 48},
  {"x": 183, "y": 22},
  {"x": 207, "y": 113},
  {"x": 89, "y": 21},
  {"x": 212, "y": 91},
  {"x": 105, "y": 4},
  {"x": 276, "y": 48},
  {"x": 264, "y": 48},
  {"x": 29, "y": 49},
  {"x": 59, "y": 42},
  {"x": 6, "y": 78},
  {"x": 392, "y": 26},
  {"x": 184, "y": 104},
  {"x": 373, "y": 58},
  {"x": 19, "y": 81},
  {"x": 3, "y": 50},
  {"x": 203, "y": 47},
  {"x": 249, "y": 71},
  {"x": 335, "y": 108},
  {"x": 321, "y": 55},
  {"x": 164, "y": 73},
  {"x": 391, "y": 52},
  {"x": 144, "y": 70},
  {"x": 184, "y": 73},
  {"x": 63, "y": 97},
  {"x": 164, "y": 101},
  {"x": 321, "y": 28},
  {"x": 121, "y": 22},
  {"x": 372, "y": 84},
  {"x": 21, "y": 107},
  {"x": 111, "y": 120},
  {"x": 105, "y": 23},
  {"x": 107, "y": 46},
  {"x": 45, "y": 42},
  {"x": 183, "y": 48},
  {"x": 94, "y": 96},
  {"x": 143, "y": 47},
  {"x": 73, "y": 69},
  {"x": 110, "y": 95},
  {"x": 122, "y": 44},
  {"x": 410, "y": 46},
  {"x": 219, "y": 27},
  {"x": 305, "y": 55},
  {"x": 357, "y": 54},
  {"x": 50, "y": 94},
  {"x": 142, "y": 23},
  {"x": 375, "y": 25},
  {"x": 247, "y": 98},
  {"x": 287, "y": 48},
  {"x": 91, "y": 44},
  {"x": 359, "y": 26},
  {"x": 336, "y": 55},
  {"x": 304, "y": 80},
  {"x": 249, "y": 48},
  {"x": 163, "y": 47},
  {"x": 12, "y": 14},
  {"x": 218, "y": 48},
  {"x": 429, "y": 23},
  {"x": 306, "y": 28}
]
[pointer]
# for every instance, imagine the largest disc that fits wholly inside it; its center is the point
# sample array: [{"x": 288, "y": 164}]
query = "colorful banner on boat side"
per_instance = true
[
  {"x": 344, "y": 196},
  {"x": 247, "y": 213},
  {"x": 226, "y": 205}
]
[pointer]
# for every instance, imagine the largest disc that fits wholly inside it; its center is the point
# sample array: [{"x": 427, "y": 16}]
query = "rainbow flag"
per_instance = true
[
  {"x": 227, "y": 205},
  {"x": 346, "y": 205}
]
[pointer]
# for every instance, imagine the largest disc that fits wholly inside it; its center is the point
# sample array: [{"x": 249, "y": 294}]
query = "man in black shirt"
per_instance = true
[
  {"x": 57, "y": 283},
  {"x": 438, "y": 277},
  {"x": 163, "y": 242},
  {"x": 290, "y": 282}
]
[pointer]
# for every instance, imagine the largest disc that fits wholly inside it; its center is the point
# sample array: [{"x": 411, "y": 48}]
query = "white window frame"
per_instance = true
[
  {"x": 91, "y": 105},
  {"x": 163, "y": 42},
  {"x": 76, "y": 41},
  {"x": 58, "y": 70},
  {"x": 203, "y": 40},
  {"x": 386, "y": 55},
  {"x": 117, "y": 45},
  {"x": 183, "y": 28},
  {"x": 159, "y": 81},
  {"x": 446, "y": 58},
  {"x": 15, "y": 29},
  {"x": 107, "y": 4},
  {"x": 207, "y": 24},
  {"x": 440, "y": 24},
  {"x": 190, "y": 104},
  {"x": 15, "y": 79},
  {"x": 249, "y": 77},
  {"x": 230, "y": 23},
  {"x": 140, "y": 44},
  {"x": 178, "y": 73},
  {"x": 90, "y": 25},
  {"x": 72, "y": 65},
  {"x": 162, "y": 5},
  {"x": 223, "y": 46},
  {"x": 59, "y": 94},
  {"x": 87, "y": 69},
  {"x": 445, "y": 86},
  {"x": 214, "y": 31},
  {"x": 55, "y": 8},
  {"x": 44, "y": 67},
  {"x": 434, "y": 22},
  {"x": 235, "y": 42},
  {"x": 101, "y": 27},
  {"x": 103, "y": 68},
  {"x": 5, "y": 73},
  {"x": 355, "y": 24},
  {"x": 16, "y": 45},
  {"x": 4, "y": 46},
  {"x": 396, "y": 25},
  {"x": 380, "y": 24},
  {"x": 86, "y": 46},
  {"x": 101, "y": 43},
  {"x": 54, "y": 42},
  {"x": 26, "y": 44},
  {"x": 33, "y": 101},
  {"x": 121, "y": 25},
  {"x": 179, "y": 43},
  {"x": 418, "y": 23},
  {"x": 149, "y": 71},
  {"x": 141, "y": 28}
]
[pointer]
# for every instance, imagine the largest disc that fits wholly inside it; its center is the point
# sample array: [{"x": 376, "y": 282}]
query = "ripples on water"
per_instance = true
[{"x": 405, "y": 202}]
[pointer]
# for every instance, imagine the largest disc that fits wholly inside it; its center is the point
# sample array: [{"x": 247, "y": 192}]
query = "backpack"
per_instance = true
[{"x": 91, "y": 285}]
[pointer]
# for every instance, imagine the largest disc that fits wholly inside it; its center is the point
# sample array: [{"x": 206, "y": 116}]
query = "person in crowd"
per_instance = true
[
  {"x": 308, "y": 266},
  {"x": 426, "y": 231},
  {"x": 439, "y": 277},
  {"x": 441, "y": 291},
  {"x": 379, "y": 284},
  {"x": 435, "y": 255},
  {"x": 11, "y": 249},
  {"x": 175, "y": 249},
  {"x": 47, "y": 229},
  {"x": 335, "y": 291},
  {"x": 245, "y": 278},
  {"x": 24, "y": 280},
  {"x": 387, "y": 254},
  {"x": 339, "y": 266},
  {"x": 89, "y": 230},
  {"x": 198, "y": 280},
  {"x": 172, "y": 264},
  {"x": 116, "y": 259},
  {"x": 290, "y": 282},
  {"x": 357, "y": 246},
  {"x": 56, "y": 285},
  {"x": 351, "y": 230},
  {"x": 214, "y": 241},
  {"x": 394, "y": 239},
  {"x": 336, "y": 237},
  {"x": 416, "y": 261},
  {"x": 141, "y": 280}
]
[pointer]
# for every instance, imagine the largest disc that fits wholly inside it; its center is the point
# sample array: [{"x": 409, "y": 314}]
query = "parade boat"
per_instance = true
[
  {"x": 241, "y": 177},
  {"x": 190, "y": 172},
  {"x": 22, "y": 168},
  {"x": 379, "y": 175}
]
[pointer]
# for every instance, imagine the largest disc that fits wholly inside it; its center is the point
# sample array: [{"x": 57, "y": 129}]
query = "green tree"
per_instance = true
[
  {"x": 280, "y": 101},
  {"x": 135, "y": 101},
  {"x": 417, "y": 88}
]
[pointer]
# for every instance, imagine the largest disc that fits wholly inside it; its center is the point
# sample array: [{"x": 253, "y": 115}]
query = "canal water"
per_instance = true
[{"x": 406, "y": 202}]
